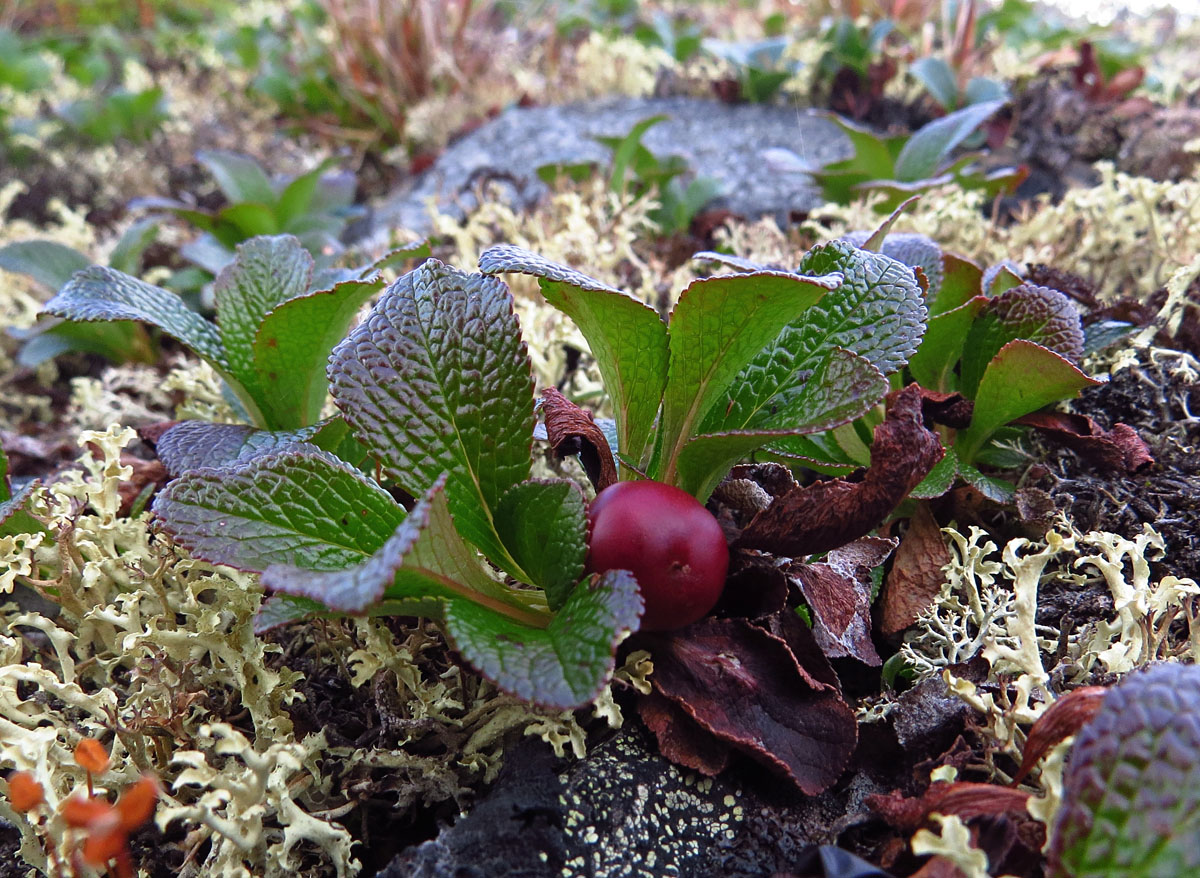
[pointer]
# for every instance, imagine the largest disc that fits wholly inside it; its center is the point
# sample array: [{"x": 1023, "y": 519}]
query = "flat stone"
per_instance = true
[{"x": 718, "y": 140}]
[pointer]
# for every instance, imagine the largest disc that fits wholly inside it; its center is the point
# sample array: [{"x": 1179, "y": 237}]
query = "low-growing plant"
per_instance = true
[
  {"x": 277, "y": 319},
  {"x": 853, "y": 69},
  {"x": 51, "y": 265},
  {"x": 1005, "y": 347},
  {"x": 761, "y": 66},
  {"x": 899, "y": 166},
  {"x": 115, "y": 115},
  {"x": 637, "y": 172},
  {"x": 315, "y": 207}
]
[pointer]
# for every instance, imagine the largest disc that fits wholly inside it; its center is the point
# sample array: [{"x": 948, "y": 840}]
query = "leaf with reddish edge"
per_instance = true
[
  {"x": 563, "y": 665},
  {"x": 1066, "y": 716},
  {"x": 1120, "y": 449},
  {"x": 821, "y": 516},
  {"x": 625, "y": 335},
  {"x": 571, "y": 430},
  {"x": 718, "y": 326},
  {"x": 437, "y": 379},
  {"x": 962, "y": 280},
  {"x": 1029, "y": 312},
  {"x": 838, "y": 591},
  {"x": 745, "y": 687},
  {"x": 941, "y": 349},
  {"x": 916, "y": 575},
  {"x": 1019, "y": 380}
]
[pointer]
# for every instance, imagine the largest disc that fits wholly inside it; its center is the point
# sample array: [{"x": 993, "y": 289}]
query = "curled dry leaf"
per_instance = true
[
  {"x": 838, "y": 591},
  {"x": 963, "y": 799},
  {"x": 745, "y": 687},
  {"x": 680, "y": 738},
  {"x": 1120, "y": 449},
  {"x": 1063, "y": 718},
  {"x": 916, "y": 575},
  {"x": 824, "y": 515},
  {"x": 571, "y": 430}
]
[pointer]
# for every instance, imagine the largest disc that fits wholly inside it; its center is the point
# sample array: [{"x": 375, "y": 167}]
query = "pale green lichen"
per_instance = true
[{"x": 952, "y": 841}]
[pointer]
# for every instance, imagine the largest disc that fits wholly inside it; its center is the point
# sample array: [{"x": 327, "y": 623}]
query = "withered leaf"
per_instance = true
[
  {"x": 952, "y": 409},
  {"x": 745, "y": 687},
  {"x": 821, "y": 516},
  {"x": 1063, "y": 718},
  {"x": 916, "y": 575},
  {"x": 680, "y": 738},
  {"x": 571, "y": 430},
  {"x": 960, "y": 798},
  {"x": 1120, "y": 449},
  {"x": 838, "y": 591}
]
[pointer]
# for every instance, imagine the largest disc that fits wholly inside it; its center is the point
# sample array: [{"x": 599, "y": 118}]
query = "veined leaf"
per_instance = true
[
  {"x": 423, "y": 558},
  {"x": 1037, "y": 314},
  {"x": 544, "y": 527},
  {"x": 99, "y": 293},
  {"x": 626, "y": 336},
  {"x": 844, "y": 387},
  {"x": 437, "y": 380},
  {"x": 292, "y": 344},
  {"x": 877, "y": 313},
  {"x": 716, "y": 328},
  {"x": 308, "y": 510},
  {"x": 1022, "y": 378},
  {"x": 265, "y": 273},
  {"x": 563, "y": 665},
  {"x": 193, "y": 445}
]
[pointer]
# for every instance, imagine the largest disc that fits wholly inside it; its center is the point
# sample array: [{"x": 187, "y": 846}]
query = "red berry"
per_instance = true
[{"x": 668, "y": 541}]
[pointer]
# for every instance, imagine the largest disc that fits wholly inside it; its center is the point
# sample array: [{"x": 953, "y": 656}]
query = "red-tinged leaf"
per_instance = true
[
  {"x": 680, "y": 738},
  {"x": 571, "y": 430},
  {"x": 819, "y": 517},
  {"x": 745, "y": 687},
  {"x": 838, "y": 591},
  {"x": 1063, "y": 718},
  {"x": 1120, "y": 449},
  {"x": 961, "y": 798},
  {"x": 916, "y": 575}
]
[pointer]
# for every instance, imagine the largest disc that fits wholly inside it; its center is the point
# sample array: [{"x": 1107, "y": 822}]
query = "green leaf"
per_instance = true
[
  {"x": 996, "y": 490},
  {"x": 717, "y": 327},
  {"x": 925, "y": 151},
  {"x": 562, "y": 666},
  {"x": 265, "y": 273},
  {"x": 15, "y": 518},
  {"x": 937, "y": 77},
  {"x": 933, "y": 363},
  {"x": 127, "y": 254},
  {"x": 437, "y": 380},
  {"x": 239, "y": 177},
  {"x": 962, "y": 281},
  {"x": 99, "y": 293},
  {"x": 1033, "y": 313},
  {"x": 296, "y": 199},
  {"x": 238, "y": 222},
  {"x": 423, "y": 558},
  {"x": 626, "y": 336},
  {"x": 544, "y": 526},
  {"x": 877, "y": 313},
  {"x": 817, "y": 451},
  {"x": 118, "y": 341},
  {"x": 308, "y": 510},
  {"x": 397, "y": 257},
  {"x": 1022, "y": 378},
  {"x": 292, "y": 345},
  {"x": 49, "y": 263},
  {"x": 938, "y": 480},
  {"x": 843, "y": 387}
]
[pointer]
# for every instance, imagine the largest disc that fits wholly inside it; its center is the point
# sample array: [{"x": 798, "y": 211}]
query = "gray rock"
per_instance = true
[{"x": 718, "y": 140}]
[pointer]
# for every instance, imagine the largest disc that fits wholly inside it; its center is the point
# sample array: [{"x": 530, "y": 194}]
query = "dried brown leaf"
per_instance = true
[
  {"x": 1120, "y": 449},
  {"x": 1063, "y": 718},
  {"x": 571, "y": 430},
  {"x": 916, "y": 574},
  {"x": 824, "y": 515}
]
